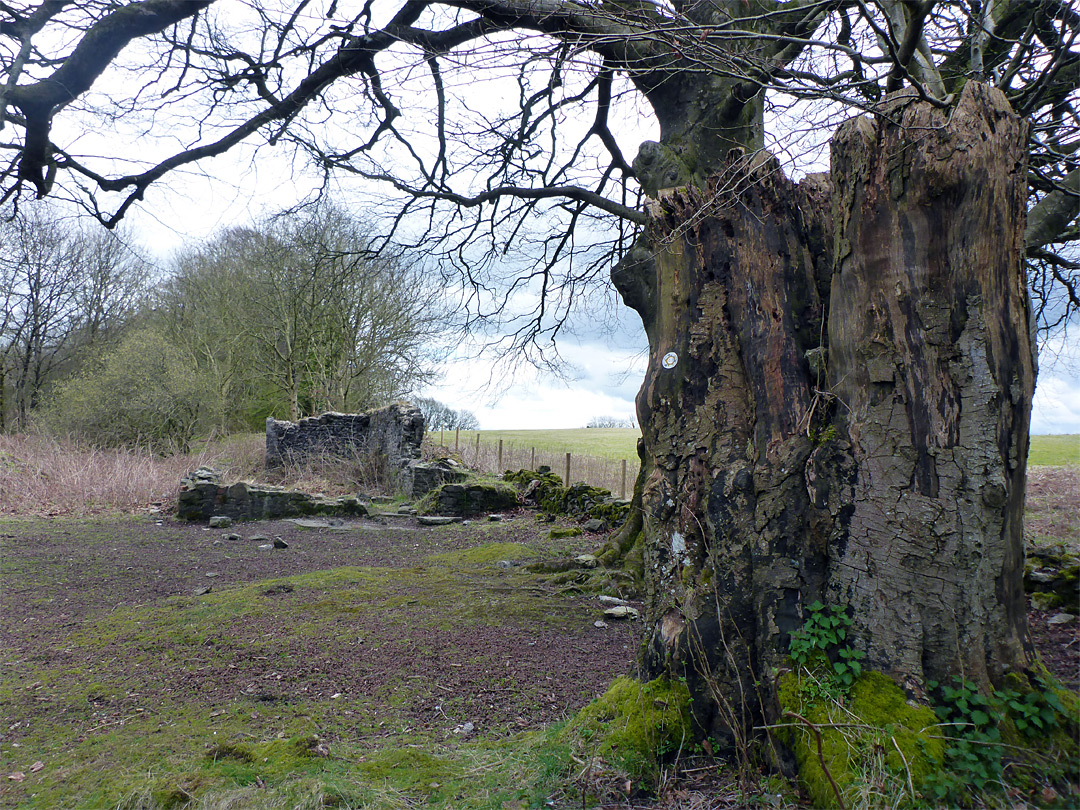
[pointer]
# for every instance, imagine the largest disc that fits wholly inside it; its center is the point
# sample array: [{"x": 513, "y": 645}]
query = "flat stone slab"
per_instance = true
[
  {"x": 318, "y": 523},
  {"x": 436, "y": 520},
  {"x": 612, "y": 600}
]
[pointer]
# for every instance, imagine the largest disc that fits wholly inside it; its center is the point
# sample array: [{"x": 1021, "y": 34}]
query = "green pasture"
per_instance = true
[
  {"x": 621, "y": 443},
  {"x": 1055, "y": 451},
  {"x": 607, "y": 443}
]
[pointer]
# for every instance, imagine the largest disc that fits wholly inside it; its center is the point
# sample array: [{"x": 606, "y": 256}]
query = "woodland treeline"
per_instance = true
[{"x": 291, "y": 316}]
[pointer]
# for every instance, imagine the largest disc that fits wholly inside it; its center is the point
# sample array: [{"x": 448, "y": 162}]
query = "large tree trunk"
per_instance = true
[{"x": 846, "y": 416}]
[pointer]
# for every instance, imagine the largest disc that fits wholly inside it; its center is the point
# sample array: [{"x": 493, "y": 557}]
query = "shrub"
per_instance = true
[{"x": 145, "y": 392}]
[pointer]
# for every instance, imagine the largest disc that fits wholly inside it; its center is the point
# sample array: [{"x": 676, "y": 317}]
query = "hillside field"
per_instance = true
[
  {"x": 620, "y": 443},
  {"x": 613, "y": 444}
]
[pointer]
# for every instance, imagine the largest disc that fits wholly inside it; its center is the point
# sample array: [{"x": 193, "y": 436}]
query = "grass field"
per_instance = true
[
  {"x": 616, "y": 444},
  {"x": 1055, "y": 451},
  {"x": 613, "y": 444}
]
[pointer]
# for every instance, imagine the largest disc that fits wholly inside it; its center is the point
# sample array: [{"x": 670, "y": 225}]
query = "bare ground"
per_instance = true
[
  {"x": 503, "y": 672},
  {"x": 400, "y": 640},
  {"x": 135, "y": 563}
]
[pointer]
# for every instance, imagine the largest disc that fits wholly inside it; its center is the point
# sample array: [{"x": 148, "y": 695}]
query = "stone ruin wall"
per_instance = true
[
  {"x": 390, "y": 435},
  {"x": 203, "y": 495}
]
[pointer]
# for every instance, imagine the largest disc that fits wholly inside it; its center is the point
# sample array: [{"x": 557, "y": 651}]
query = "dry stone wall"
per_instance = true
[
  {"x": 389, "y": 437},
  {"x": 203, "y": 495}
]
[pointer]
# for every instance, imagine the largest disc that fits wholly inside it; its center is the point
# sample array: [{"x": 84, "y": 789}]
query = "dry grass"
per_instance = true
[
  {"x": 1051, "y": 515},
  {"x": 330, "y": 476},
  {"x": 43, "y": 476}
]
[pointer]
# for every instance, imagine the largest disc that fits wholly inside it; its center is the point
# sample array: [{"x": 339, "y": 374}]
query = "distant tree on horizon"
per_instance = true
[
  {"x": 440, "y": 416},
  {"x": 611, "y": 422}
]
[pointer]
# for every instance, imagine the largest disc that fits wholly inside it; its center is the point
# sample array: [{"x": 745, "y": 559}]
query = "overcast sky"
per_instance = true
[
  {"x": 605, "y": 360},
  {"x": 605, "y": 363}
]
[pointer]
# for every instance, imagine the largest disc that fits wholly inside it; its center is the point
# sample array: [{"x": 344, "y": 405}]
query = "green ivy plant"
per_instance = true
[
  {"x": 823, "y": 640},
  {"x": 971, "y": 720},
  {"x": 1035, "y": 713},
  {"x": 973, "y": 756}
]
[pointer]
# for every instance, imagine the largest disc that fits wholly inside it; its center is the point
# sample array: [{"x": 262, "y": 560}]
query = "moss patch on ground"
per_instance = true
[
  {"x": 635, "y": 726},
  {"x": 485, "y": 555}
]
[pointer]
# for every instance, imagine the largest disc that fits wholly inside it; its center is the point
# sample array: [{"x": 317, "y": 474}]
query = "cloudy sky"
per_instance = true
[
  {"x": 605, "y": 363},
  {"x": 608, "y": 374}
]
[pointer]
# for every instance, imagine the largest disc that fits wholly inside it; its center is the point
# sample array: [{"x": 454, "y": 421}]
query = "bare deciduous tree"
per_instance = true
[
  {"x": 64, "y": 289},
  {"x": 299, "y": 314},
  {"x": 440, "y": 416},
  {"x": 610, "y": 422}
]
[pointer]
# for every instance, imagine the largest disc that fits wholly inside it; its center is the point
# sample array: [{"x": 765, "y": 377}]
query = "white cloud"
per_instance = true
[
  {"x": 1056, "y": 407},
  {"x": 606, "y": 383}
]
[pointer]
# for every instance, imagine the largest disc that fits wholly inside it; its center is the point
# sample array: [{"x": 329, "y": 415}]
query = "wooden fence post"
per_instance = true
[
  {"x": 476, "y": 461},
  {"x": 532, "y": 463},
  {"x": 566, "y": 480},
  {"x": 622, "y": 489},
  {"x": 499, "y": 466},
  {"x": 457, "y": 436}
]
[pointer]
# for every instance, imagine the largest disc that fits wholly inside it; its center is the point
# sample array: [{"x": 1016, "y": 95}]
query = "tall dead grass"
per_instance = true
[{"x": 41, "y": 475}]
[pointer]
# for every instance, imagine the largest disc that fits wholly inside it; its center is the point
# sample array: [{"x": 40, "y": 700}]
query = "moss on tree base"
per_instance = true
[
  {"x": 871, "y": 741},
  {"x": 873, "y": 747}
]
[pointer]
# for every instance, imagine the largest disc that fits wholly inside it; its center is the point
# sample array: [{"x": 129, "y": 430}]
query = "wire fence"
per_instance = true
[{"x": 615, "y": 475}]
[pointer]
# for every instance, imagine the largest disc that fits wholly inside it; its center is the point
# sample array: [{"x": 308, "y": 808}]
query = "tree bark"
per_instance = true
[
  {"x": 842, "y": 412},
  {"x": 930, "y": 354}
]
